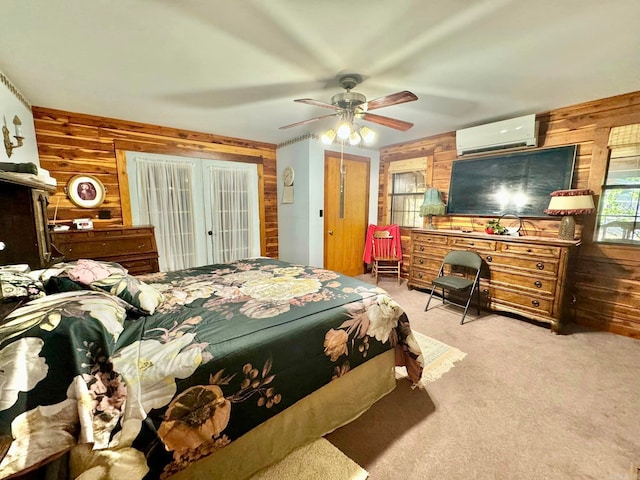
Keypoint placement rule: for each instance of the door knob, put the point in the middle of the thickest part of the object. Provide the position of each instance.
(330, 232)
(210, 233)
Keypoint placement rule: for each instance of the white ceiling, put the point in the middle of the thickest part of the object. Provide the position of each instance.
(233, 67)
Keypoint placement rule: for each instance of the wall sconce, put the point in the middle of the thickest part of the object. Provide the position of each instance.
(569, 203)
(8, 146)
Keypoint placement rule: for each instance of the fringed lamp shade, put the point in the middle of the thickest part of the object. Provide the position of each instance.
(432, 205)
(569, 203)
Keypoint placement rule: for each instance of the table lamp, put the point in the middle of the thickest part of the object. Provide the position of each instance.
(432, 205)
(569, 203)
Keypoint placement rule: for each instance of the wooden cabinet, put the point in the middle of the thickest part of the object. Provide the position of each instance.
(132, 247)
(527, 276)
(23, 222)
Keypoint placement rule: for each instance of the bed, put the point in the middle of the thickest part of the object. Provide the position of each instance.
(211, 372)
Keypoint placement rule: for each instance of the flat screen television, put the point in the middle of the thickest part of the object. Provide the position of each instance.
(516, 183)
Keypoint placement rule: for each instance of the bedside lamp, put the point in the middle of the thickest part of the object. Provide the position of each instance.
(569, 203)
(432, 205)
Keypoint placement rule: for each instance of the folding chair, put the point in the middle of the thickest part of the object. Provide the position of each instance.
(471, 263)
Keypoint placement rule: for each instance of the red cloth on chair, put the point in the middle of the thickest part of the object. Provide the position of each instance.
(394, 230)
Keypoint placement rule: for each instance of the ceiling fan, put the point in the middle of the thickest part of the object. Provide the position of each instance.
(351, 106)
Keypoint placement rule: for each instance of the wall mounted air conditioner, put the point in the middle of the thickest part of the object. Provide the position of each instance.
(512, 133)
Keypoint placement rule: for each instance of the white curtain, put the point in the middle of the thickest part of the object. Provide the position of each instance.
(232, 218)
(166, 201)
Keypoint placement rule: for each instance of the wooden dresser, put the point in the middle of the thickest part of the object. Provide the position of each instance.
(527, 276)
(132, 247)
(24, 236)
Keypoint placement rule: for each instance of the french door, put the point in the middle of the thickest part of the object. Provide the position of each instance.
(203, 211)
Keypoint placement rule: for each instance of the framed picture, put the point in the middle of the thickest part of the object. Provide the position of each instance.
(86, 191)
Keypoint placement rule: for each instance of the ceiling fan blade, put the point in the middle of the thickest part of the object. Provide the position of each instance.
(393, 99)
(317, 103)
(304, 122)
(387, 122)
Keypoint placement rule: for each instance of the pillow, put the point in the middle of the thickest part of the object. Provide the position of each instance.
(140, 295)
(19, 286)
(76, 275)
(85, 274)
(60, 284)
(68, 315)
(87, 271)
(76, 267)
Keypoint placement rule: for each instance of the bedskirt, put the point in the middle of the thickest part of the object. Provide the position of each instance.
(316, 415)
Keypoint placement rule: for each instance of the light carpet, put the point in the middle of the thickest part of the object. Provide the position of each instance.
(438, 358)
(319, 460)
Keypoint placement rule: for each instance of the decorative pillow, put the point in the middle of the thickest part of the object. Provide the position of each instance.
(140, 295)
(77, 267)
(87, 271)
(63, 284)
(69, 309)
(19, 286)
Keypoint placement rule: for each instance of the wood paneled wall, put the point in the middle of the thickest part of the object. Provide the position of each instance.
(73, 143)
(606, 285)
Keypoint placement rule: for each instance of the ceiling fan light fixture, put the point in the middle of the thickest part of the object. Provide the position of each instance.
(367, 135)
(344, 130)
(328, 137)
(354, 138)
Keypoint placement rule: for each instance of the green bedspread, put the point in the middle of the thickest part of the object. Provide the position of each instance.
(228, 347)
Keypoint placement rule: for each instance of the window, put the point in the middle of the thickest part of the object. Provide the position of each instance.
(407, 184)
(618, 218)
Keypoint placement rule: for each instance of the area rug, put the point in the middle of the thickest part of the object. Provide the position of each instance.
(319, 460)
(438, 357)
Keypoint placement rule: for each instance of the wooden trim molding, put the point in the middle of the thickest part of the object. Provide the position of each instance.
(182, 150)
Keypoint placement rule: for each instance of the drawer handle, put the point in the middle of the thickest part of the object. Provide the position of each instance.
(489, 258)
(485, 291)
(421, 261)
(419, 275)
(528, 250)
(538, 283)
(421, 248)
(540, 265)
(535, 303)
(472, 244)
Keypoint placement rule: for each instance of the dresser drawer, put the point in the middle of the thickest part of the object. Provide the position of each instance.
(119, 232)
(529, 249)
(427, 262)
(426, 241)
(423, 278)
(140, 266)
(539, 283)
(102, 247)
(132, 247)
(541, 265)
(536, 304)
(433, 251)
(458, 243)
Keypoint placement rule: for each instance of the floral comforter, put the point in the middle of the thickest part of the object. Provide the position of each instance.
(228, 347)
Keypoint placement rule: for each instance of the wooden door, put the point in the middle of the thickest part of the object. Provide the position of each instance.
(346, 207)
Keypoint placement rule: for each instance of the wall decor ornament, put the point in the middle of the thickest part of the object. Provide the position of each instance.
(85, 191)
